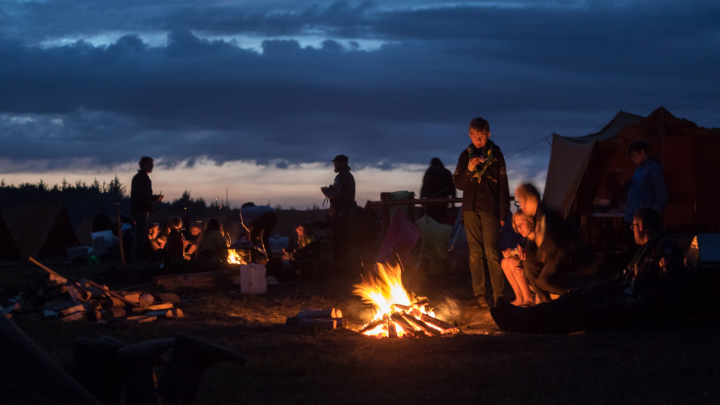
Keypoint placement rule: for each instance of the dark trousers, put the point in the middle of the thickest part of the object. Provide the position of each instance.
(261, 228)
(340, 238)
(141, 238)
(482, 231)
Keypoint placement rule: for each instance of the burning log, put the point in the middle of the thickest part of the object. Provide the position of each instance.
(391, 330)
(422, 326)
(374, 324)
(443, 326)
(400, 321)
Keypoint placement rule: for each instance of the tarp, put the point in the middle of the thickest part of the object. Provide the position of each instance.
(402, 234)
(435, 237)
(8, 249)
(84, 230)
(41, 230)
(569, 159)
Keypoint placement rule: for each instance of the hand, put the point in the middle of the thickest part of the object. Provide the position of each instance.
(522, 253)
(502, 223)
(518, 271)
(161, 197)
(474, 162)
(506, 253)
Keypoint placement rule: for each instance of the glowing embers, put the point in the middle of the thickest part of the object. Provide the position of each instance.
(397, 313)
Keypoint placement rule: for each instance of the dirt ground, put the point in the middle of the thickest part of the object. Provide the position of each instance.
(287, 365)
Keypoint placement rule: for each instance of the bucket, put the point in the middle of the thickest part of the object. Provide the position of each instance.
(252, 279)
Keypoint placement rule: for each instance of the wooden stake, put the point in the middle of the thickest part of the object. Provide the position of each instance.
(58, 278)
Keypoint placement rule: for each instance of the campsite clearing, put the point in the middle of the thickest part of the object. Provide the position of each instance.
(287, 364)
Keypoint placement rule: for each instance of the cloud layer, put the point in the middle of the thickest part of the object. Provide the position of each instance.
(530, 68)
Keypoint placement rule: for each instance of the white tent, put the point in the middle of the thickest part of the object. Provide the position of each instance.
(569, 159)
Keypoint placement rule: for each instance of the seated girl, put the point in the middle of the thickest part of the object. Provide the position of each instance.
(175, 246)
(515, 260)
(306, 245)
(213, 241)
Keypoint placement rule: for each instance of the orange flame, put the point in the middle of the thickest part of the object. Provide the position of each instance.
(234, 258)
(385, 292)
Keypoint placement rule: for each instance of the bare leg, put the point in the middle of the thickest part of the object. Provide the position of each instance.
(507, 265)
(523, 286)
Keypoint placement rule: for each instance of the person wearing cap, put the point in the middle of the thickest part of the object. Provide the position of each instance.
(482, 176)
(342, 205)
(142, 203)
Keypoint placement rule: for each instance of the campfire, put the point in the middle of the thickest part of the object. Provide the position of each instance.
(234, 257)
(397, 313)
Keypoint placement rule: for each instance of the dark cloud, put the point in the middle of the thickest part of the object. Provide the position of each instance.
(531, 69)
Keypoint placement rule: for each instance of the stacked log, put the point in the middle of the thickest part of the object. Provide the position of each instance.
(88, 300)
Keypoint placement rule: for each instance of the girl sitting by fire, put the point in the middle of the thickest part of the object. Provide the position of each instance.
(523, 257)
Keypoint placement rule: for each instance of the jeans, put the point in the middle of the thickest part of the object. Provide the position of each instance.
(261, 228)
(141, 238)
(482, 230)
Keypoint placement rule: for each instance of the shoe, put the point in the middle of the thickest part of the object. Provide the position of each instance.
(478, 301)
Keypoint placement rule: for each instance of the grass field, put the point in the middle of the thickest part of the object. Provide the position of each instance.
(287, 365)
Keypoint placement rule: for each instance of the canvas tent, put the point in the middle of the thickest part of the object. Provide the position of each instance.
(596, 166)
(8, 249)
(41, 230)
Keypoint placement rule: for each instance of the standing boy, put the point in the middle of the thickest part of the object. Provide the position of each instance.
(482, 176)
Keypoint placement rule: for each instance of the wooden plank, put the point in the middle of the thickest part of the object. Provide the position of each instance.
(58, 277)
(167, 305)
(72, 310)
(74, 317)
(113, 294)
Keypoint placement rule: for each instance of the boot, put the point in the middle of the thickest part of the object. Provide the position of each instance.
(190, 358)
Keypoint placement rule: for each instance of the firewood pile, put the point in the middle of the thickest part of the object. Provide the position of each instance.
(408, 321)
(85, 299)
(313, 318)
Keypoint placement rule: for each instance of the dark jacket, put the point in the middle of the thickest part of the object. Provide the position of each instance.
(647, 188)
(658, 281)
(560, 249)
(342, 192)
(141, 194)
(491, 195)
(437, 183)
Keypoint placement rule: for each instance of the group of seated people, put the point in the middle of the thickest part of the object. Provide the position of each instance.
(648, 289)
(167, 241)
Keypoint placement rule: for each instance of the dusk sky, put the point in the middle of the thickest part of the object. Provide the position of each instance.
(259, 96)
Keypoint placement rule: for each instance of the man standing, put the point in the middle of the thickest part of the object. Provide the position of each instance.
(342, 206)
(142, 203)
(482, 176)
(437, 183)
(647, 187)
